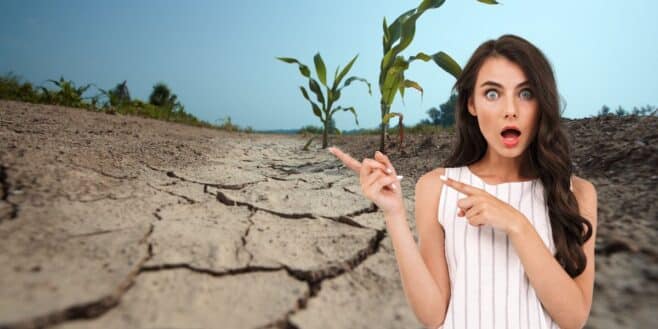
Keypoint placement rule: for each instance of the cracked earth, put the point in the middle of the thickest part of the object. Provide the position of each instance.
(124, 222)
(111, 221)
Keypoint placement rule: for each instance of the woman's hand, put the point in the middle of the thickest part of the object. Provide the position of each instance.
(480, 208)
(378, 178)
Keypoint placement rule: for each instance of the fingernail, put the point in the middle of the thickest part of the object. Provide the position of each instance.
(400, 177)
(393, 186)
(443, 178)
(389, 170)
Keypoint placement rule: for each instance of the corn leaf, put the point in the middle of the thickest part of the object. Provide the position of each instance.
(489, 2)
(395, 28)
(415, 85)
(448, 64)
(342, 73)
(316, 108)
(388, 117)
(422, 56)
(350, 109)
(354, 78)
(391, 85)
(303, 69)
(407, 33)
(315, 88)
(386, 39)
(320, 68)
(429, 4)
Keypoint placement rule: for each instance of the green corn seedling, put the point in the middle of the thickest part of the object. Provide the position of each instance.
(397, 37)
(324, 108)
(67, 95)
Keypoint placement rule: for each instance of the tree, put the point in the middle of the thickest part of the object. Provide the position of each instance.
(161, 96)
(435, 116)
(605, 110)
(620, 111)
(397, 37)
(445, 116)
(325, 110)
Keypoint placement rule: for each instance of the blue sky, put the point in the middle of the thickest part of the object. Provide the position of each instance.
(219, 56)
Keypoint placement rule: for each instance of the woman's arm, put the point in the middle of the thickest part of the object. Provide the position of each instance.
(424, 273)
(567, 300)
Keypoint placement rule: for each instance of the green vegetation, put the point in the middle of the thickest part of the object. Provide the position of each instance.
(620, 111)
(327, 100)
(315, 130)
(162, 105)
(445, 115)
(397, 37)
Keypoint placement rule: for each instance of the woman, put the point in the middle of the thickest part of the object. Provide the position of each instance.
(505, 231)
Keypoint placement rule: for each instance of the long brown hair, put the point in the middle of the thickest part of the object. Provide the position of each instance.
(549, 154)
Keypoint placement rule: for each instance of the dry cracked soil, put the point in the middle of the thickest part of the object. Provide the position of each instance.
(110, 221)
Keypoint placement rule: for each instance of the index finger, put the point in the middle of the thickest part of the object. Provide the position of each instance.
(350, 162)
(460, 186)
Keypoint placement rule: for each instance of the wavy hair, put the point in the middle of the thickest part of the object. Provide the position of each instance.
(547, 157)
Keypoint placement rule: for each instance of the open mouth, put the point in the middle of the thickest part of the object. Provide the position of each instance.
(510, 133)
(510, 136)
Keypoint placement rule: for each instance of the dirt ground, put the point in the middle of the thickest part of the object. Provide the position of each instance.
(110, 221)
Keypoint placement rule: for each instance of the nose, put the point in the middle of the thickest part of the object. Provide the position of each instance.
(510, 109)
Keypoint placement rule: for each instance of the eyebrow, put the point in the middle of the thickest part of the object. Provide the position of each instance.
(492, 83)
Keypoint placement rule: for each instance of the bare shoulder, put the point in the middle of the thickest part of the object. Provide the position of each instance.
(429, 180)
(428, 190)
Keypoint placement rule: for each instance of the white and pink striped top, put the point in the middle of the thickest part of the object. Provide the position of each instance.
(489, 288)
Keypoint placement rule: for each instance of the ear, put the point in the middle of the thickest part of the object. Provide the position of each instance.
(471, 106)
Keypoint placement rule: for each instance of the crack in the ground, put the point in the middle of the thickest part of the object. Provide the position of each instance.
(298, 169)
(221, 197)
(172, 174)
(286, 180)
(314, 279)
(100, 172)
(88, 310)
(343, 219)
(214, 273)
(347, 190)
(88, 234)
(110, 196)
(244, 240)
(5, 189)
(328, 185)
(184, 197)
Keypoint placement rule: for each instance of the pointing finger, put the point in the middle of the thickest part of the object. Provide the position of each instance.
(460, 186)
(349, 162)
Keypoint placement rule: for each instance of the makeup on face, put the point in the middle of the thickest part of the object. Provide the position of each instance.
(504, 103)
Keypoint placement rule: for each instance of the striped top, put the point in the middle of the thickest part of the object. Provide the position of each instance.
(489, 287)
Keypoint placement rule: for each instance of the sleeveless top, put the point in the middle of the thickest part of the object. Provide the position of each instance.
(489, 287)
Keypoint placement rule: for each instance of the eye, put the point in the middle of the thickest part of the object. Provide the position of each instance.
(491, 94)
(526, 94)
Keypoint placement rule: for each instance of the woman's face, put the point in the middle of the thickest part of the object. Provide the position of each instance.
(502, 97)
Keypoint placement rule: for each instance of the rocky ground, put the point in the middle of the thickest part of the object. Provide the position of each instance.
(111, 221)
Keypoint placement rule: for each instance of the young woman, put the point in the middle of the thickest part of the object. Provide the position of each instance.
(505, 231)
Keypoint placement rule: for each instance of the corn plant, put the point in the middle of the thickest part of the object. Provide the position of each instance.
(118, 96)
(325, 110)
(397, 37)
(67, 95)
